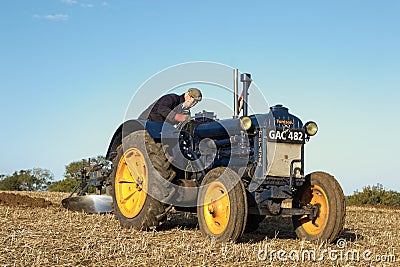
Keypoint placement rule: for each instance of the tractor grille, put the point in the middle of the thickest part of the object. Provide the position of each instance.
(279, 157)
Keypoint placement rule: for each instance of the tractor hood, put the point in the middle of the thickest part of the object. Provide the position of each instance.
(218, 129)
(277, 117)
(282, 118)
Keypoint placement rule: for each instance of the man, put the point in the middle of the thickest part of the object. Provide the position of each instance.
(172, 108)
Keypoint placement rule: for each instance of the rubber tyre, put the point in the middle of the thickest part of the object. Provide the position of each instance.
(323, 189)
(233, 202)
(152, 211)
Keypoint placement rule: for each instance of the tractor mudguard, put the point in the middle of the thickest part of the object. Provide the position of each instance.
(153, 128)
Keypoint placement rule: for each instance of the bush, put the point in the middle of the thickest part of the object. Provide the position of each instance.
(35, 179)
(374, 195)
(66, 185)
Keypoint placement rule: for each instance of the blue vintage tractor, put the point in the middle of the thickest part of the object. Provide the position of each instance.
(231, 172)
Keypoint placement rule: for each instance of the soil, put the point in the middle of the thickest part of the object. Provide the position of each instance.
(11, 199)
(54, 236)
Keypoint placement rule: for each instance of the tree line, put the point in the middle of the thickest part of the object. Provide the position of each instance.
(38, 179)
(35, 179)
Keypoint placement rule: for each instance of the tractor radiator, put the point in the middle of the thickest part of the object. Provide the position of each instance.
(279, 157)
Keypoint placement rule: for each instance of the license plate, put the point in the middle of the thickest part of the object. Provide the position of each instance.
(285, 135)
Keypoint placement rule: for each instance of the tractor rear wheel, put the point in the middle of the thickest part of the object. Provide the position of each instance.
(321, 190)
(222, 205)
(138, 161)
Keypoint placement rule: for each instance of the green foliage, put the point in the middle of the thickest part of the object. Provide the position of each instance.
(66, 185)
(374, 195)
(9, 183)
(35, 179)
(72, 175)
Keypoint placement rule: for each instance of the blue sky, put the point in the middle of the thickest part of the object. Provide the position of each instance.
(69, 69)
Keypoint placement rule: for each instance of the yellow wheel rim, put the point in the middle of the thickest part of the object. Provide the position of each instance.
(317, 196)
(216, 208)
(131, 182)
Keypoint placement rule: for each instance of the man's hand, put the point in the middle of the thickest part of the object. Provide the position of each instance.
(180, 117)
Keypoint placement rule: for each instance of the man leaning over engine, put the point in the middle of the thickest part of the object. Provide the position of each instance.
(172, 108)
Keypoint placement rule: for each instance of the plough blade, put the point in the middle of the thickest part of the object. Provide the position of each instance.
(89, 203)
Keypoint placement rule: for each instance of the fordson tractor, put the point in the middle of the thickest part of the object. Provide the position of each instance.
(232, 172)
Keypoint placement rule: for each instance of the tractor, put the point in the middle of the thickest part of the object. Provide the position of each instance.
(231, 172)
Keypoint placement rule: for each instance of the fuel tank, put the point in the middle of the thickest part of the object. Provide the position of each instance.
(221, 129)
(278, 116)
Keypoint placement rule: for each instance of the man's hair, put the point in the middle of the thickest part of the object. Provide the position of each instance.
(195, 93)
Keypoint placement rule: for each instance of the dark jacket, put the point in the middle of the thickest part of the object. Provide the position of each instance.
(164, 109)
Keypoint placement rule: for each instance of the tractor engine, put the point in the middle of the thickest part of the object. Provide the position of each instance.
(266, 150)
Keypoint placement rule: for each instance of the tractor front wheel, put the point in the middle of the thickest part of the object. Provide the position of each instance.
(222, 205)
(324, 193)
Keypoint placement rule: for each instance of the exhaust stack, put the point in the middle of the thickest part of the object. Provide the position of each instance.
(235, 93)
(245, 78)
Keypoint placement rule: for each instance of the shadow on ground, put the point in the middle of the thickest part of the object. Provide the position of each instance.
(349, 235)
(272, 227)
(181, 220)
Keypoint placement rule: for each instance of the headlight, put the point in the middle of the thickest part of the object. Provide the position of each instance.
(311, 128)
(245, 123)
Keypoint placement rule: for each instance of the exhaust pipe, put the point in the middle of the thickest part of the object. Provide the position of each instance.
(235, 93)
(245, 78)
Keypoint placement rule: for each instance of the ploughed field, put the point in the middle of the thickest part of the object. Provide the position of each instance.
(37, 231)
